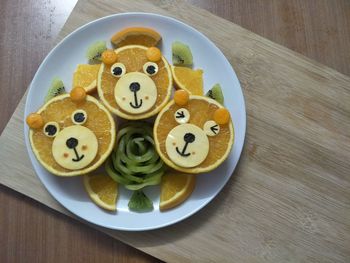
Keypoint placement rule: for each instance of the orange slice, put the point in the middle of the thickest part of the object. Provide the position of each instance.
(136, 36)
(133, 58)
(188, 79)
(60, 110)
(85, 76)
(175, 188)
(200, 111)
(102, 190)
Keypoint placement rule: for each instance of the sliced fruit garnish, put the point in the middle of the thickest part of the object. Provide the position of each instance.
(56, 88)
(102, 190)
(95, 50)
(216, 93)
(139, 202)
(85, 76)
(134, 162)
(136, 36)
(175, 188)
(188, 79)
(182, 55)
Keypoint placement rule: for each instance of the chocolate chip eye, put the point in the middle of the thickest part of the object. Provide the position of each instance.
(150, 68)
(79, 117)
(118, 69)
(51, 129)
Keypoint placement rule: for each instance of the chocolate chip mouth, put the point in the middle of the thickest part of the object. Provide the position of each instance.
(188, 138)
(135, 87)
(72, 143)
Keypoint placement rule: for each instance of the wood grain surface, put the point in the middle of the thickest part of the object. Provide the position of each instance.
(31, 232)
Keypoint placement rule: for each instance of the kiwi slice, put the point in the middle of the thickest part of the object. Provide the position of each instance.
(139, 202)
(182, 55)
(216, 93)
(94, 51)
(56, 88)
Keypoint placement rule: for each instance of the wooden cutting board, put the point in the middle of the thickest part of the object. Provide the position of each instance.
(289, 198)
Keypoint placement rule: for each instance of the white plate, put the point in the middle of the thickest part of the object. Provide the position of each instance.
(63, 59)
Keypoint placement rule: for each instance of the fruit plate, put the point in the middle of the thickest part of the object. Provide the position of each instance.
(63, 59)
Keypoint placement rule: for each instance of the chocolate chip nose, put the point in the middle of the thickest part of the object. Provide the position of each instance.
(134, 86)
(72, 143)
(189, 137)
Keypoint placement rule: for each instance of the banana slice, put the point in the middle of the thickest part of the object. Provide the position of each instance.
(211, 128)
(182, 116)
(187, 145)
(135, 92)
(75, 147)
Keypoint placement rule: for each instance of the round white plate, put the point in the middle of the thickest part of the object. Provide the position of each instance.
(61, 62)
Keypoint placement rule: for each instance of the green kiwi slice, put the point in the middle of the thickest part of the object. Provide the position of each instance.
(56, 88)
(94, 51)
(139, 202)
(182, 55)
(216, 93)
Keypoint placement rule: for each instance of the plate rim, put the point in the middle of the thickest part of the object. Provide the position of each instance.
(177, 219)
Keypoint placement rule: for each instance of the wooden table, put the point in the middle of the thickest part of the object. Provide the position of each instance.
(30, 232)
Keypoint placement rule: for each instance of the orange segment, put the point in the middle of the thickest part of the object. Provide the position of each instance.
(188, 79)
(85, 76)
(59, 110)
(201, 110)
(102, 190)
(136, 36)
(175, 188)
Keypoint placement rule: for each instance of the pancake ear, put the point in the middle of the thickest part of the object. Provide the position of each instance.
(35, 121)
(78, 94)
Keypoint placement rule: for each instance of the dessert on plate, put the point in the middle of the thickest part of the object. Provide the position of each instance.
(137, 85)
(193, 134)
(74, 133)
